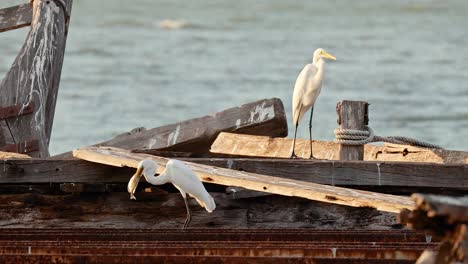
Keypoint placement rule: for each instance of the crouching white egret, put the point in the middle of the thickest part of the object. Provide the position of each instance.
(181, 176)
(306, 91)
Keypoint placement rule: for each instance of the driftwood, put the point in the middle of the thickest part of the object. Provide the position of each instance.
(34, 77)
(260, 146)
(264, 117)
(444, 217)
(256, 182)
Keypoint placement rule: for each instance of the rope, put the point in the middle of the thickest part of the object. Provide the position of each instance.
(360, 137)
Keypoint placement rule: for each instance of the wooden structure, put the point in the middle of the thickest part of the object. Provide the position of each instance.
(230, 144)
(352, 115)
(263, 117)
(29, 89)
(252, 181)
(446, 218)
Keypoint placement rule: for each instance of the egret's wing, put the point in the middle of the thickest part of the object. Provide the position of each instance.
(303, 80)
(187, 181)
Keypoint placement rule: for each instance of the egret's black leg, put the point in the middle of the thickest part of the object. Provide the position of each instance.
(293, 155)
(310, 132)
(189, 214)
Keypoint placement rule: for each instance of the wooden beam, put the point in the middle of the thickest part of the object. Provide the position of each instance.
(263, 117)
(15, 17)
(267, 147)
(406, 177)
(352, 115)
(35, 74)
(256, 182)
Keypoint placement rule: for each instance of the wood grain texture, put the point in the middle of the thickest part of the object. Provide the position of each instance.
(256, 182)
(353, 115)
(404, 177)
(268, 147)
(35, 75)
(263, 117)
(15, 17)
(159, 210)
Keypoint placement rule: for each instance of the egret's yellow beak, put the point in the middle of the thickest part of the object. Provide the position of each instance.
(328, 55)
(133, 183)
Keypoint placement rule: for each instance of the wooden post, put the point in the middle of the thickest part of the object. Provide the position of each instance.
(34, 77)
(352, 115)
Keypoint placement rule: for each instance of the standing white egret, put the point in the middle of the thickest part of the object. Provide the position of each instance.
(306, 91)
(181, 176)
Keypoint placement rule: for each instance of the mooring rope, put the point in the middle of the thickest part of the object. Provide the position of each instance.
(361, 137)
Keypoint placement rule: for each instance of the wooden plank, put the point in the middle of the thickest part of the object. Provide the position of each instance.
(352, 115)
(267, 147)
(263, 117)
(455, 209)
(35, 75)
(157, 210)
(256, 182)
(15, 17)
(401, 177)
(12, 155)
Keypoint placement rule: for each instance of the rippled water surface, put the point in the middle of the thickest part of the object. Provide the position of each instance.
(126, 67)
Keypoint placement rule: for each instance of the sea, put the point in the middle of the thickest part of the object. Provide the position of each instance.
(148, 63)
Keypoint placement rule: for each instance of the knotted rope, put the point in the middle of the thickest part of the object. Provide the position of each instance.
(361, 137)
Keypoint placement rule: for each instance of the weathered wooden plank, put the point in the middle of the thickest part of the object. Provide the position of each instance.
(256, 182)
(455, 209)
(263, 117)
(35, 75)
(158, 210)
(352, 115)
(12, 155)
(15, 17)
(267, 147)
(366, 175)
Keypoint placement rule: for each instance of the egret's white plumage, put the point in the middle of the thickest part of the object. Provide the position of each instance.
(180, 175)
(307, 89)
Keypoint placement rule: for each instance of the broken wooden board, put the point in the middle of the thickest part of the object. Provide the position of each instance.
(256, 182)
(261, 146)
(402, 177)
(264, 117)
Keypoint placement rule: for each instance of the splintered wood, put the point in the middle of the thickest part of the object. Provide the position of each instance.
(256, 182)
(264, 117)
(262, 146)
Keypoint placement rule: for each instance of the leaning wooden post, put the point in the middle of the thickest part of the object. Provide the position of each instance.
(29, 89)
(352, 115)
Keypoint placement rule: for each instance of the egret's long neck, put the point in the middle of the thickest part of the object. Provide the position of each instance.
(319, 63)
(156, 180)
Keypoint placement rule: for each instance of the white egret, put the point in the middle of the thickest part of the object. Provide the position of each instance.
(306, 91)
(181, 176)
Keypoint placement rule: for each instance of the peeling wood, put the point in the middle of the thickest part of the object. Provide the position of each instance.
(256, 182)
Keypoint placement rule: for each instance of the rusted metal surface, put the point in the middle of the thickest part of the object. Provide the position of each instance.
(210, 245)
(22, 147)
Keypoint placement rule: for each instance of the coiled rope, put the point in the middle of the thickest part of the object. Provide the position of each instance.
(361, 137)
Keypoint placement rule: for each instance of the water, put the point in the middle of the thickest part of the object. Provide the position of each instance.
(408, 59)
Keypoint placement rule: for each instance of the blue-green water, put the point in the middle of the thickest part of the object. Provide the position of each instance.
(408, 59)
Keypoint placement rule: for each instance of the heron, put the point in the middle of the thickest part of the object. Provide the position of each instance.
(181, 176)
(306, 91)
